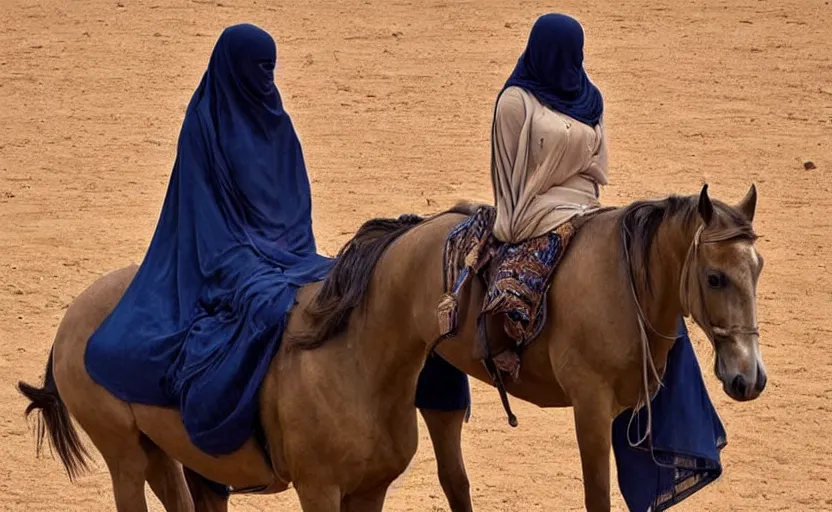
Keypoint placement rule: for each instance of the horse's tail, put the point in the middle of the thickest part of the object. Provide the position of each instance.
(54, 419)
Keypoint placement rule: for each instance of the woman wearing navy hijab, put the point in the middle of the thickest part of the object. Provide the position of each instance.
(548, 148)
(202, 320)
(549, 160)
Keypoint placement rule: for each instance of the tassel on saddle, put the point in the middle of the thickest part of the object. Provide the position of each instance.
(469, 249)
(448, 315)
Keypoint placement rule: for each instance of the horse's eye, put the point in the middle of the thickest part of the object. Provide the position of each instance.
(717, 280)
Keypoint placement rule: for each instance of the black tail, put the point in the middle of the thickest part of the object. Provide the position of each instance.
(54, 419)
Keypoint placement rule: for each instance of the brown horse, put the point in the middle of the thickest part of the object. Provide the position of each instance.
(339, 420)
(679, 256)
(687, 257)
(101, 298)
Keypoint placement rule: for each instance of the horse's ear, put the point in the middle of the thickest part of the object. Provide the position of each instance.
(706, 207)
(748, 205)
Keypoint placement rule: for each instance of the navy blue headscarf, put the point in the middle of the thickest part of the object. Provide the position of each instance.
(202, 320)
(552, 69)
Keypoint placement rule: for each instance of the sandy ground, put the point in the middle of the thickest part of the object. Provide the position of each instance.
(392, 101)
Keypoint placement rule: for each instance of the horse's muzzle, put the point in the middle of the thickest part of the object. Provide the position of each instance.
(739, 388)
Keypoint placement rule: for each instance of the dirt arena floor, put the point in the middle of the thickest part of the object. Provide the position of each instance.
(393, 101)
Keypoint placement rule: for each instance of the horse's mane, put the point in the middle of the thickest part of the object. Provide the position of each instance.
(346, 284)
(641, 220)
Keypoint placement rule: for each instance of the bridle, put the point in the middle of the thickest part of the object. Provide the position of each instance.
(701, 316)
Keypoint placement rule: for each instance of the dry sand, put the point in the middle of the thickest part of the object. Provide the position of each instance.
(392, 101)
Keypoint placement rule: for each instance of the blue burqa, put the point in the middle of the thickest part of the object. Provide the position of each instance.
(202, 320)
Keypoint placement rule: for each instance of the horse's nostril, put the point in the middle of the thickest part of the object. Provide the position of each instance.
(738, 386)
(762, 379)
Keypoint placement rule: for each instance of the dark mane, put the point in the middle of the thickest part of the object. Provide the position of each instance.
(641, 220)
(346, 284)
(466, 208)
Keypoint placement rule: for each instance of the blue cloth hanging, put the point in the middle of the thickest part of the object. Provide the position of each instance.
(687, 438)
(441, 386)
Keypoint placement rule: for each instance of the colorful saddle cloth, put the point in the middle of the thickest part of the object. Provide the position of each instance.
(517, 278)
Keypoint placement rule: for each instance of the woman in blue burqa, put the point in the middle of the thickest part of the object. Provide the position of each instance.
(202, 320)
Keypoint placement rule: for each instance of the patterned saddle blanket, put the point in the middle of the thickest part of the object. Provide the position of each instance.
(517, 278)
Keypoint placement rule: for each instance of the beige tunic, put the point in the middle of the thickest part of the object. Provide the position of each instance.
(546, 168)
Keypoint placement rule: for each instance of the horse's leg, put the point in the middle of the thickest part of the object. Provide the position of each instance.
(110, 425)
(593, 426)
(370, 501)
(445, 428)
(206, 499)
(132, 458)
(166, 479)
(128, 465)
(319, 499)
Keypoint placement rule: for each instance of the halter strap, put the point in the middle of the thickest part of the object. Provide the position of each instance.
(688, 275)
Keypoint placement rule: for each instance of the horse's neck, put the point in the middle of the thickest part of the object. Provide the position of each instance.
(662, 305)
(385, 345)
(399, 319)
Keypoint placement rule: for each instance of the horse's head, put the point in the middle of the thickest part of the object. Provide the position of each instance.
(719, 288)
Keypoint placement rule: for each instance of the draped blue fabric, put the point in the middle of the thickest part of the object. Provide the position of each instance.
(441, 386)
(203, 318)
(552, 69)
(687, 438)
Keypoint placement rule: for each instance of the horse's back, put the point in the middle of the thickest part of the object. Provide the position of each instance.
(82, 318)
(108, 420)
(592, 260)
